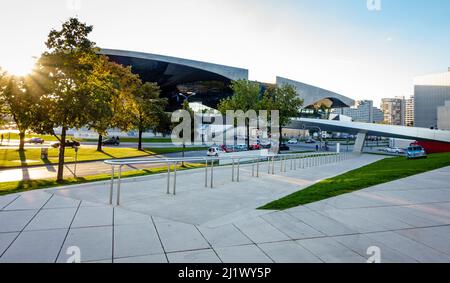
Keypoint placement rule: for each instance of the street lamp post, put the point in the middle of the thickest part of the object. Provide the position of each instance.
(186, 97)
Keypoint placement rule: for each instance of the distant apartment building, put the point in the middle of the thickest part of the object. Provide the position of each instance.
(363, 111)
(409, 112)
(430, 94)
(394, 110)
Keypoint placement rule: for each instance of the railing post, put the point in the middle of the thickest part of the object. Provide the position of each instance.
(168, 178)
(257, 168)
(118, 184)
(232, 170)
(212, 173)
(175, 178)
(273, 165)
(206, 173)
(111, 189)
(238, 167)
(268, 165)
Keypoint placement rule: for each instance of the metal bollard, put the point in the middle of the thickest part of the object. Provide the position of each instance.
(268, 165)
(111, 189)
(118, 184)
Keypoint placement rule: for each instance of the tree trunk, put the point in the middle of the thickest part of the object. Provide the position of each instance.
(62, 148)
(99, 144)
(22, 141)
(140, 140)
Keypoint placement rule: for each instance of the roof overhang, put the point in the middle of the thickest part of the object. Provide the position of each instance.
(419, 134)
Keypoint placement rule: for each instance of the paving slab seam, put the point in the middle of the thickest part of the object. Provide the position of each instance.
(235, 226)
(159, 238)
(10, 202)
(393, 205)
(68, 231)
(23, 229)
(196, 227)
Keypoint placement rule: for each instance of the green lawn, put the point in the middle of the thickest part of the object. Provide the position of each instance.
(22, 186)
(32, 156)
(383, 171)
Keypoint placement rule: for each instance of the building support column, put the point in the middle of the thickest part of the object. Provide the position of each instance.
(359, 143)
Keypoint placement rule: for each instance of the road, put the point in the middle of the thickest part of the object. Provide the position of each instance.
(83, 169)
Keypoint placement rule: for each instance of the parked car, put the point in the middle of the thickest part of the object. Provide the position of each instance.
(266, 144)
(69, 143)
(241, 147)
(255, 146)
(284, 147)
(111, 141)
(35, 141)
(310, 141)
(395, 150)
(226, 149)
(214, 151)
(416, 152)
(293, 141)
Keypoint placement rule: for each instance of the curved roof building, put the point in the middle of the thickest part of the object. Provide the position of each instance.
(210, 82)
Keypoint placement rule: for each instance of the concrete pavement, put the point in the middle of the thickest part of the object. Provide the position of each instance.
(407, 220)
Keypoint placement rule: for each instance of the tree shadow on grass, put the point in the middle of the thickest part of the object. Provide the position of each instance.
(23, 162)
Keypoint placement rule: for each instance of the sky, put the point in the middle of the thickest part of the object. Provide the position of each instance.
(348, 46)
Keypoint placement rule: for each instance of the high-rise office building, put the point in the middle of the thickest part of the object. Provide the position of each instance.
(394, 110)
(430, 93)
(363, 111)
(409, 112)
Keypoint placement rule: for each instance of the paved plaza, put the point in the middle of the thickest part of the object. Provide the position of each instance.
(408, 220)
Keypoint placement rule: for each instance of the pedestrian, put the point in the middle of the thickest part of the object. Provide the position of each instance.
(1, 140)
(317, 147)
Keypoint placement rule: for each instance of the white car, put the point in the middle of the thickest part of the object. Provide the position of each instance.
(394, 150)
(293, 141)
(214, 151)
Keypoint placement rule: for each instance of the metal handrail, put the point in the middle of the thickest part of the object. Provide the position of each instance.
(305, 160)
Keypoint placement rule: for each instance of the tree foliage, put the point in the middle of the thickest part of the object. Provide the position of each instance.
(17, 100)
(149, 108)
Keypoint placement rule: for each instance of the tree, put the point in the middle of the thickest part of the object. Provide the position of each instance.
(246, 97)
(284, 99)
(113, 86)
(17, 100)
(164, 125)
(149, 105)
(67, 77)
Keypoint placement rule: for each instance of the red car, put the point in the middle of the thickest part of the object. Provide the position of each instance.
(255, 147)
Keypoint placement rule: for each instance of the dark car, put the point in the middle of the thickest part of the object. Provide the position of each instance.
(35, 141)
(112, 141)
(284, 147)
(69, 143)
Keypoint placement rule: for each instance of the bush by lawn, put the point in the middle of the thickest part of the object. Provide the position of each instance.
(383, 171)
